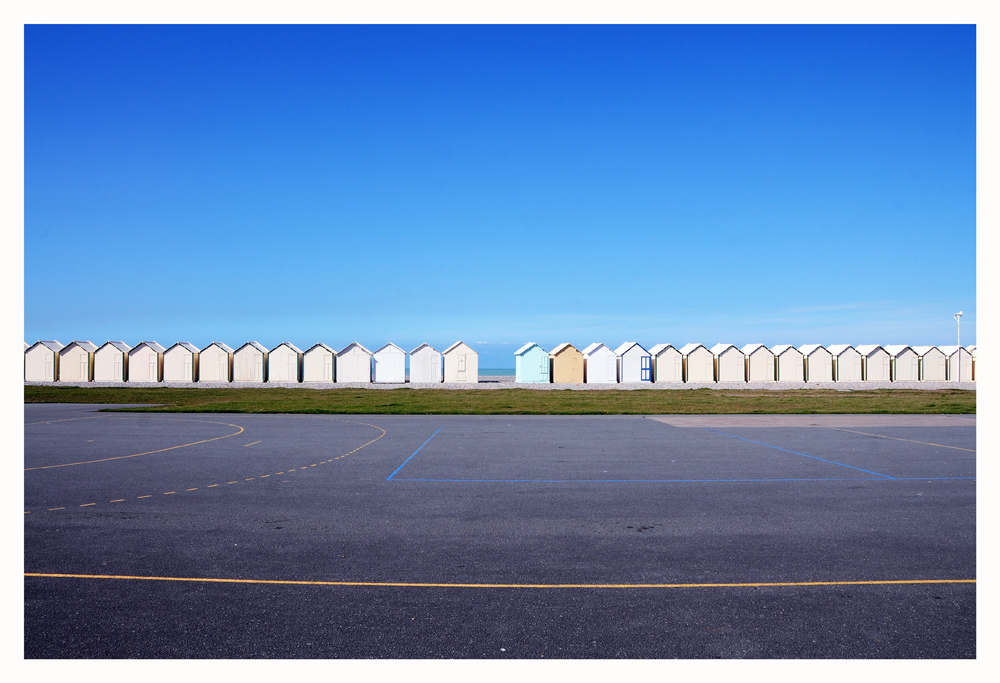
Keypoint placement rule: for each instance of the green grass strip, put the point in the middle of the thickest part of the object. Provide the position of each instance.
(406, 401)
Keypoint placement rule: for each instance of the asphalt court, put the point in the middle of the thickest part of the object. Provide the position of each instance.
(493, 536)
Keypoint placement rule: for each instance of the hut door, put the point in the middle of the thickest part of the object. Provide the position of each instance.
(461, 368)
(328, 368)
(48, 369)
(885, 368)
(152, 368)
(857, 368)
(543, 366)
(116, 372)
(644, 369)
(187, 368)
(291, 369)
(914, 374)
(83, 367)
(362, 361)
(223, 370)
(677, 368)
(257, 368)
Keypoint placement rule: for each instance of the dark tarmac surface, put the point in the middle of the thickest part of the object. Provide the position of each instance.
(651, 513)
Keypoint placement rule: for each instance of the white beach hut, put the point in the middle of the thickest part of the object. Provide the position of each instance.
(789, 363)
(180, 363)
(933, 364)
(425, 365)
(846, 363)
(760, 363)
(354, 364)
(41, 361)
(699, 363)
(461, 364)
(390, 365)
(250, 363)
(145, 362)
(668, 364)
(283, 362)
(818, 363)
(600, 364)
(111, 362)
(318, 363)
(635, 364)
(874, 363)
(76, 362)
(972, 352)
(959, 363)
(215, 363)
(904, 363)
(730, 364)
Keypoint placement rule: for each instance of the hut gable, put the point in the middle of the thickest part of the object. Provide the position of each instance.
(600, 364)
(566, 364)
(904, 363)
(76, 362)
(461, 363)
(41, 361)
(111, 362)
(760, 365)
(789, 363)
(250, 363)
(874, 363)
(635, 364)
(283, 363)
(145, 362)
(180, 363)
(698, 363)
(354, 364)
(668, 363)
(730, 364)
(425, 365)
(318, 363)
(818, 363)
(531, 364)
(390, 365)
(215, 363)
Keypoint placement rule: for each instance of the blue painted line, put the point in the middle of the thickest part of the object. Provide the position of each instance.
(878, 474)
(414, 453)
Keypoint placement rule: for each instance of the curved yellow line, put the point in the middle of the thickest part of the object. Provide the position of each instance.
(162, 450)
(896, 438)
(401, 584)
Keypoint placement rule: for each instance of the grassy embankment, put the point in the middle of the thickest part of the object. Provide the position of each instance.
(405, 401)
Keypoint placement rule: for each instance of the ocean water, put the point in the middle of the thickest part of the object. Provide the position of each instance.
(496, 372)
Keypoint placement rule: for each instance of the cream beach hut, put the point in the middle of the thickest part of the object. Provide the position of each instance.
(425, 365)
(531, 364)
(250, 363)
(461, 364)
(180, 363)
(818, 363)
(41, 361)
(699, 363)
(318, 363)
(933, 364)
(874, 363)
(390, 365)
(904, 363)
(789, 363)
(846, 363)
(730, 365)
(215, 363)
(283, 363)
(668, 364)
(566, 363)
(972, 352)
(600, 365)
(959, 365)
(111, 362)
(354, 364)
(145, 362)
(76, 362)
(759, 363)
(635, 364)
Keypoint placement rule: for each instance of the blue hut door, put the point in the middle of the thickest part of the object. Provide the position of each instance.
(543, 367)
(644, 369)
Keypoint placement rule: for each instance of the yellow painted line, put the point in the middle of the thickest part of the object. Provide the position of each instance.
(249, 479)
(211, 486)
(50, 509)
(87, 504)
(264, 476)
(404, 584)
(169, 492)
(232, 482)
(117, 500)
(279, 472)
(136, 455)
(194, 489)
(150, 496)
(880, 436)
(27, 512)
(250, 444)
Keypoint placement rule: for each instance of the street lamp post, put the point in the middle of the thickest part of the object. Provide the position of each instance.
(958, 319)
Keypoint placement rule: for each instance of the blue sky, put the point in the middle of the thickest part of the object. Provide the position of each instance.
(500, 184)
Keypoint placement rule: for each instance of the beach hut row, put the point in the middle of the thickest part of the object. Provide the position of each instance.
(630, 362)
(148, 361)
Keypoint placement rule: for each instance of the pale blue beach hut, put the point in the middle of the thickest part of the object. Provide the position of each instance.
(531, 364)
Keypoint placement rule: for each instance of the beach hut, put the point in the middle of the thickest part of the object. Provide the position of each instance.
(600, 364)
(250, 363)
(180, 363)
(76, 362)
(668, 364)
(635, 364)
(760, 363)
(41, 361)
(699, 363)
(145, 362)
(846, 363)
(531, 364)
(215, 363)
(972, 352)
(111, 362)
(933, 364)
(390, 365)
(425, 365)
(354, 364)
(904, 363)
(566, 364)
(959, 363)
(284, 362)
(818, 363)
(318, 363)
(789, 363)
(730, 365)
(874, 363)
(461, 363)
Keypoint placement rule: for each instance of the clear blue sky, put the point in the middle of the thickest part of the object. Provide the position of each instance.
(499, 185)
